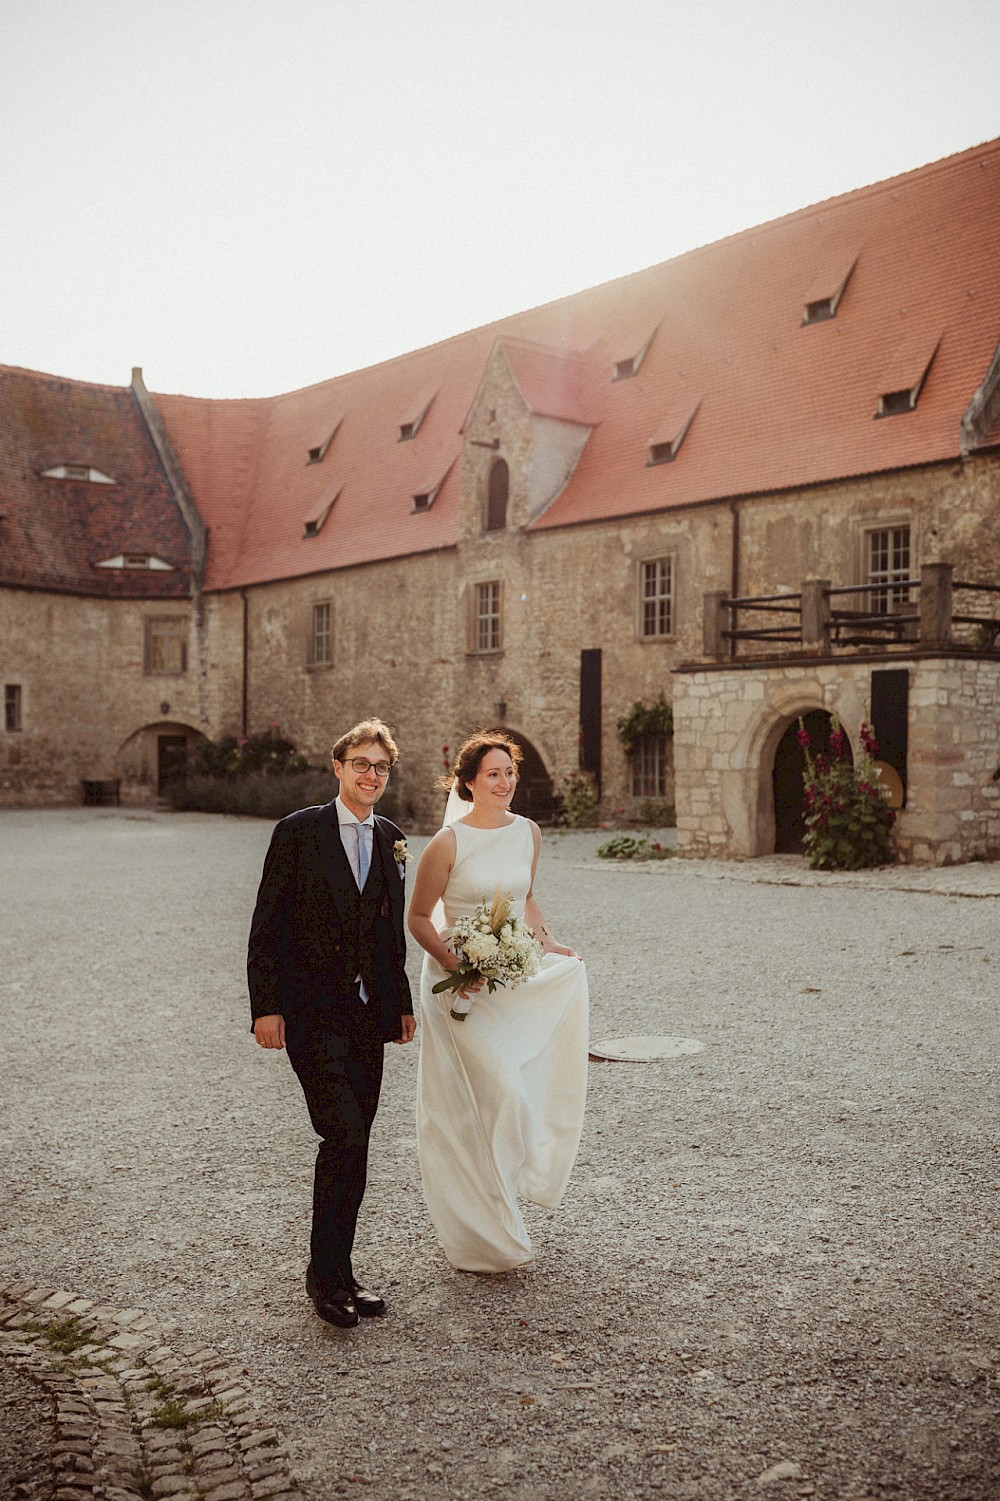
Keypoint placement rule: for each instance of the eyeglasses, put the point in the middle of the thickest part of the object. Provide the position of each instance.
(380, 768)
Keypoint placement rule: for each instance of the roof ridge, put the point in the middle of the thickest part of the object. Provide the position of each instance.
(72, 380)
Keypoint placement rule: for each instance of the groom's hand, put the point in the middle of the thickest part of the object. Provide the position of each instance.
(270, 1031)
(409, 1029)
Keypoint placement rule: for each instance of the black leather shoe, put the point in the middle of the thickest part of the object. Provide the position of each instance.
(335, 1306)
(369, 1305)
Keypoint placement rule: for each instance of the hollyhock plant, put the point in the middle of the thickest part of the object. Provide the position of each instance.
(848, 821)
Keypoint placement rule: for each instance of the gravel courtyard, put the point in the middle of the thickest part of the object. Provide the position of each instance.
(774, 1271)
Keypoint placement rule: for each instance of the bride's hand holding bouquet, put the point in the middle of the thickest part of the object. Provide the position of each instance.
(493, 948)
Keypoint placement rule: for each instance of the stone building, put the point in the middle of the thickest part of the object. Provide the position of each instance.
(520, 526)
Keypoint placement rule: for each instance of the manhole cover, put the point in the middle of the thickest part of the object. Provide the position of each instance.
(644, 1049)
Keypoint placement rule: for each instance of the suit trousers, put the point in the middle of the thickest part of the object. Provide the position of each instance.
(338, 1060)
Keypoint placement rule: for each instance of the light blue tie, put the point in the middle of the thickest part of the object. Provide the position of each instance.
(363, 831)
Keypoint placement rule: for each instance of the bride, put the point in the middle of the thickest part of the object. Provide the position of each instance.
(500, 1094)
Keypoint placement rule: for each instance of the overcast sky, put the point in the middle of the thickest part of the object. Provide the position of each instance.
(247, 196)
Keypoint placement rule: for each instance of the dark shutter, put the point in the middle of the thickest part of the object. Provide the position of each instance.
(590, 713)
(890, 706)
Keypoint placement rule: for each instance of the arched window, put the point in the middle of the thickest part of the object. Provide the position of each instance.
(496, 501)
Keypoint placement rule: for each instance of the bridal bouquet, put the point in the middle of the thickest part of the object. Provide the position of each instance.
(491, 945)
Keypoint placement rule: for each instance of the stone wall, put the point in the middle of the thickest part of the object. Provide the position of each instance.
(729, 719)
(89, 710)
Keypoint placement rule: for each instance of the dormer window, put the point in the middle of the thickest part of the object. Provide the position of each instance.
(631, 354)
(900, 387)
(664, 448)
(318, 452)
(313, 524)
(820, 311)
(412, 425)
(428, 494)
(823, 297)
(138, 560)
(79, 472)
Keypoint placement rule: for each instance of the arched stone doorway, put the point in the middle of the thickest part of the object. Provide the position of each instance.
(535, 796)
(153, 756)
(786, 778)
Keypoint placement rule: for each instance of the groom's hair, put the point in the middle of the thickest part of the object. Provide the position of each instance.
(472, 752)
(362, 734)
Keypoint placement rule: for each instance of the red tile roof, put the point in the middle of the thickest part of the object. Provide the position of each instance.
(779, 404)
(54, 532)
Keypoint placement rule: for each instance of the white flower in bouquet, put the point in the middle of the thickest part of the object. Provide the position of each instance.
(491, 945)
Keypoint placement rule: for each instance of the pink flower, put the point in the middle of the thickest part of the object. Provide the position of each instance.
(803, 737)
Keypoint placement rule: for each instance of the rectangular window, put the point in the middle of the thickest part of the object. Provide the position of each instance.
(649, 766)
(12, 706)
(888, 567)
(486, 631)
(657, 598)
(321, 636)
(166, 649)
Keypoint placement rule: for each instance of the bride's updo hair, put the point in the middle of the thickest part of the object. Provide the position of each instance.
(471, 754)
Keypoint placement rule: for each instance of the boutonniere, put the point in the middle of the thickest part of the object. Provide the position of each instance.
(401, 854)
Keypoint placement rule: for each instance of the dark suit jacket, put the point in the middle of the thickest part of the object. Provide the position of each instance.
(312, 930)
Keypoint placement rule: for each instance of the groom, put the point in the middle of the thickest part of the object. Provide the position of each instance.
(325, 967)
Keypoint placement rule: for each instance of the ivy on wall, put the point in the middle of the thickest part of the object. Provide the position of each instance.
(645, 719)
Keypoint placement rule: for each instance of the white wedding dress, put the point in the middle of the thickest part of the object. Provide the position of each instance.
(500, 1095)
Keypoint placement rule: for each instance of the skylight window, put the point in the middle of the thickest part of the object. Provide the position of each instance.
(80, 472)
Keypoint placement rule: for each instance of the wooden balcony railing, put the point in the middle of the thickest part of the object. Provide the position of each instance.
(822, 619)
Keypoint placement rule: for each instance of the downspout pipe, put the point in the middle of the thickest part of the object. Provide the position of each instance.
(734, 568)
(245, 703)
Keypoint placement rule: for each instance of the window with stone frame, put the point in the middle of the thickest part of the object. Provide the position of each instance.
(888, 563)
(486, 633)
(166, 645)
(321, 635)
(12, 706)
(497, 496)
(649, 764)
(656, 598)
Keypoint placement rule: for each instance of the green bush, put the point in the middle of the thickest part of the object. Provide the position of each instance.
(633, 847)
(270, 753)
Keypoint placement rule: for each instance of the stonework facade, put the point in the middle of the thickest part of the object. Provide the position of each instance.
(729, 720)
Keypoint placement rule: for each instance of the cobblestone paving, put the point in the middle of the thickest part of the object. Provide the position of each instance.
(134, 1416)
(775, 1264)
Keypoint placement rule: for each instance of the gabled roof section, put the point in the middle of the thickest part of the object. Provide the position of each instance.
(55, 534)
(553, 382)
